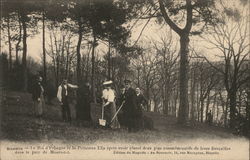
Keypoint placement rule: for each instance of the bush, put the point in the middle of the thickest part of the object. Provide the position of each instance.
(15, 81)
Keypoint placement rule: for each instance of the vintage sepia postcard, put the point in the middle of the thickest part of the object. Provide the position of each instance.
(124, 80)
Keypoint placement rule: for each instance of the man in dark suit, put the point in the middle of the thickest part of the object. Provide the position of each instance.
(62, 95)
(83, 108)
(130, 107)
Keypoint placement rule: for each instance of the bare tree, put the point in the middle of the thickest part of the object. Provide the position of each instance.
(233, 43)
(43, 47)
(207, 80)
(19, 39)
(9, 41)
(60, 42)
(167, 68)
(148, 61)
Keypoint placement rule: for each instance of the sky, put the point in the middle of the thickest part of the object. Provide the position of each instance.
(152, 31)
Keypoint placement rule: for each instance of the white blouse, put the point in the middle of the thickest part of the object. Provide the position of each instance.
(109, 95)
(59, 91)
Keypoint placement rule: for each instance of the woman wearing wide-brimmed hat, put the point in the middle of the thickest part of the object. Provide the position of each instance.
(38, 97)
(108, 96)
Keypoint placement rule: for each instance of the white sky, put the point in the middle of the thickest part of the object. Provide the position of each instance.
(151, 32)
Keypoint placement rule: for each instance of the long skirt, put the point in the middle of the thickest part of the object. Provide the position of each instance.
(109, 114)
(115, 123)
(39, 106)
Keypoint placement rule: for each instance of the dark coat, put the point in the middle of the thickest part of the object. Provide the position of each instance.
(83, 103)
(36, 91)
(141, 101)
(130, 105)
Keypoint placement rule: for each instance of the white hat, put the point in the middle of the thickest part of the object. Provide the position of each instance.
(107, 82)
(40, 79)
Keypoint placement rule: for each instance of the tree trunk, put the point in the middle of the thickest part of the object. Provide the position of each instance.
(198, 102)
(148, 96)
(239, 102)
(155, 105)
(93, 70)
(192, 92)
(19, 39)
(248, 109)
(184, 43)
(207, 105)
(175, 101)
(61, 58)
(57, 61)
(166, 102)
(78, 53)
(67, 61)
(87, 67)
(9, 41)
(138, 77)
(57, 69)
(24, 61)
(163, 93)
(112, 69)
(226, 113)
(232, 107)
(214, 104)
(183, 108)
(202, 109)
(44, 53)
(217, 111)
(109, 61)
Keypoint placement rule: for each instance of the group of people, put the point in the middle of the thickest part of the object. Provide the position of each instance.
(132, 111)
(130, 102)
(62, 96)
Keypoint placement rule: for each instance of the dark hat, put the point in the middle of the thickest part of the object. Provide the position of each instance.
(127, 81)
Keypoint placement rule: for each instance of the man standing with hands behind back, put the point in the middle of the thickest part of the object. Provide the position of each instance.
(62, 95)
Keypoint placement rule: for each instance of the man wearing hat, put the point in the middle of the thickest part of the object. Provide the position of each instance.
(130, 107)
(62, 95)
(108, 96)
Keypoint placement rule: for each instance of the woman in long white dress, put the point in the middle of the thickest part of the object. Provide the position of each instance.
(109, 105)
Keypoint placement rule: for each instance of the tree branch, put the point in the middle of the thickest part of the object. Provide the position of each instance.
(189, 21)
(168, 20)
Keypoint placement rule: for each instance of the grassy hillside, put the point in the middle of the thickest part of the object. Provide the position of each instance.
(19, 124)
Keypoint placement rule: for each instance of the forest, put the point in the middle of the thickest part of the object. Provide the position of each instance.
(94, 40)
